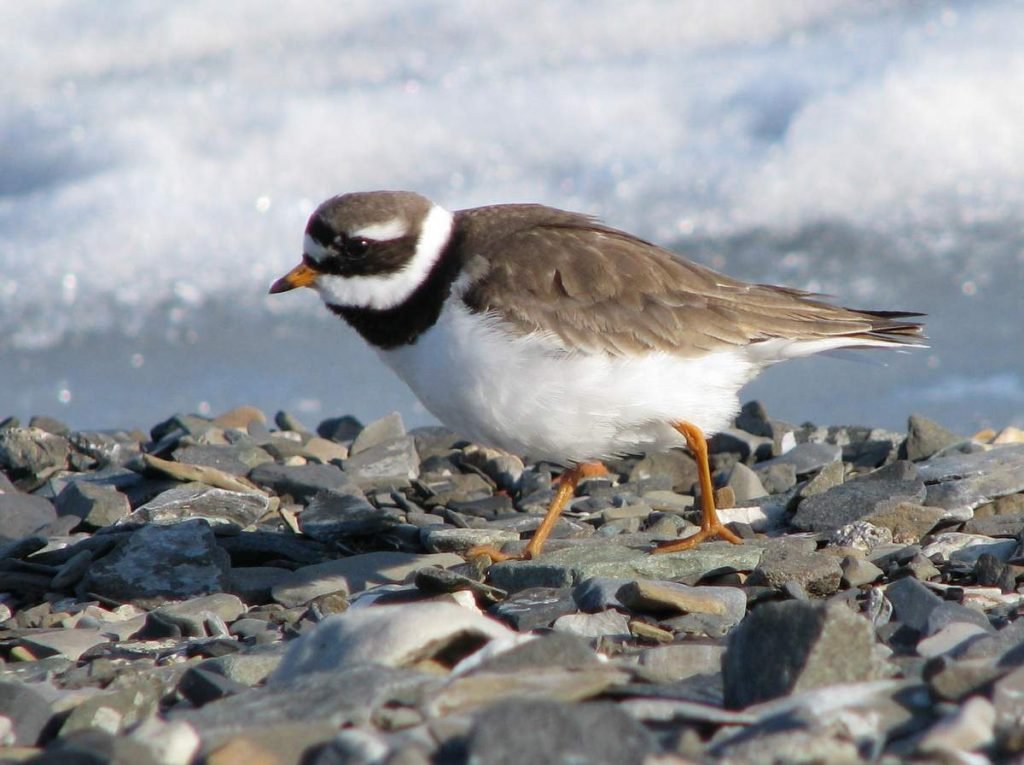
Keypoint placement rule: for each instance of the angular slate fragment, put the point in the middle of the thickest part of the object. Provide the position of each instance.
(331, 515)
(552, 731)
(159, 562)
(859, 498)
(792, 646)
(301, 482)
(968, 480)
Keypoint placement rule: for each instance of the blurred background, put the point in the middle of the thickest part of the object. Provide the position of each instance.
(158, 162)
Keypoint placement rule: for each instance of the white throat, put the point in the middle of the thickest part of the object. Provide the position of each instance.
(389, 290)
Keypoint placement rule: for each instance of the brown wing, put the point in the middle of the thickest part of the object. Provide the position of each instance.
(600, 289)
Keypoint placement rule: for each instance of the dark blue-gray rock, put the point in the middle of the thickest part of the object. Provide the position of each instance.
(584, 734)
(237, 459)
(989, 571)
(598, 593)
(313, 697)
(535, 607)
(254, 548)
(857, 571)
(434, 580)
(301, 482)
(805, 458)
(340, 429)
(926, 438)
(912, 603)
(31, 452)
(947, 613)
(392, 463)
(22, 515)
(792, 646)
(858, 498)
(201, 686)
(219, 507)
(746, 446)
(157, 563)
(355, 573)
(97, 505)
(255, 584)
(1011, 525)
(555, 650)
(965, 481)
(820, 574)
(28, 712)
(331, 515)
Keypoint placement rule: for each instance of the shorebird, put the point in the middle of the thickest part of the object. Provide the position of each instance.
(545, 332)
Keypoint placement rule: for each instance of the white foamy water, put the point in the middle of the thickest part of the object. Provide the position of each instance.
(159, 162)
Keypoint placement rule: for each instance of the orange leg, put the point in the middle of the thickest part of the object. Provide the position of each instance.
(567, 484)
(710, 525)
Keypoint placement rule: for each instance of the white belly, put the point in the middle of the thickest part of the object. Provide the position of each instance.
(528, 395)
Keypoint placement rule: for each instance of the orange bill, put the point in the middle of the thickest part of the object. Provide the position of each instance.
(300, 276)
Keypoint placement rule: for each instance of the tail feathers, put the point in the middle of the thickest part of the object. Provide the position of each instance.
(892, 328)
(886, 329)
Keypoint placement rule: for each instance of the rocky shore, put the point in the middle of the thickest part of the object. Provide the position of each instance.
(238, 590)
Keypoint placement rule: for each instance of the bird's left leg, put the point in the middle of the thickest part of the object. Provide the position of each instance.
(710, 524)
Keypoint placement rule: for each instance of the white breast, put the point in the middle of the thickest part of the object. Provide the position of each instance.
(529, 395)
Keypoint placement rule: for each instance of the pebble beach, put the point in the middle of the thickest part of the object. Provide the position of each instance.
(245, 588)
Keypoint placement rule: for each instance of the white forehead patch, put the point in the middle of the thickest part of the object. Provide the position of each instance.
(395, 228)
(314, 249)
(390, 290)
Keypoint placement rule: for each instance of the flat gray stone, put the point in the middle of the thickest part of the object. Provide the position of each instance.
(23, 515)
(62, 642)
(391, 635)
(97, 505)
(301, 482)
(383, 430)
(792, 646)
(155, 563)
(673, 598)
(332, 515)
(448, 539)
(587, 734)
(907, 521)
(28, 711)
(820, 574)
(672, 663)
(604, 624)
(311, 697)
(858, 572)
(858, 498)
(805, 458)
(192, 615)
(355, 574)
(391, 464)
(968, 480)
(219, 507)
(571, 565)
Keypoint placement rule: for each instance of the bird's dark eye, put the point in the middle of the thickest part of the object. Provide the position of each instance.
(357, 247)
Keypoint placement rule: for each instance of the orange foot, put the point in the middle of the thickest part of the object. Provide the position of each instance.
(710, 524)
(567, 484)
